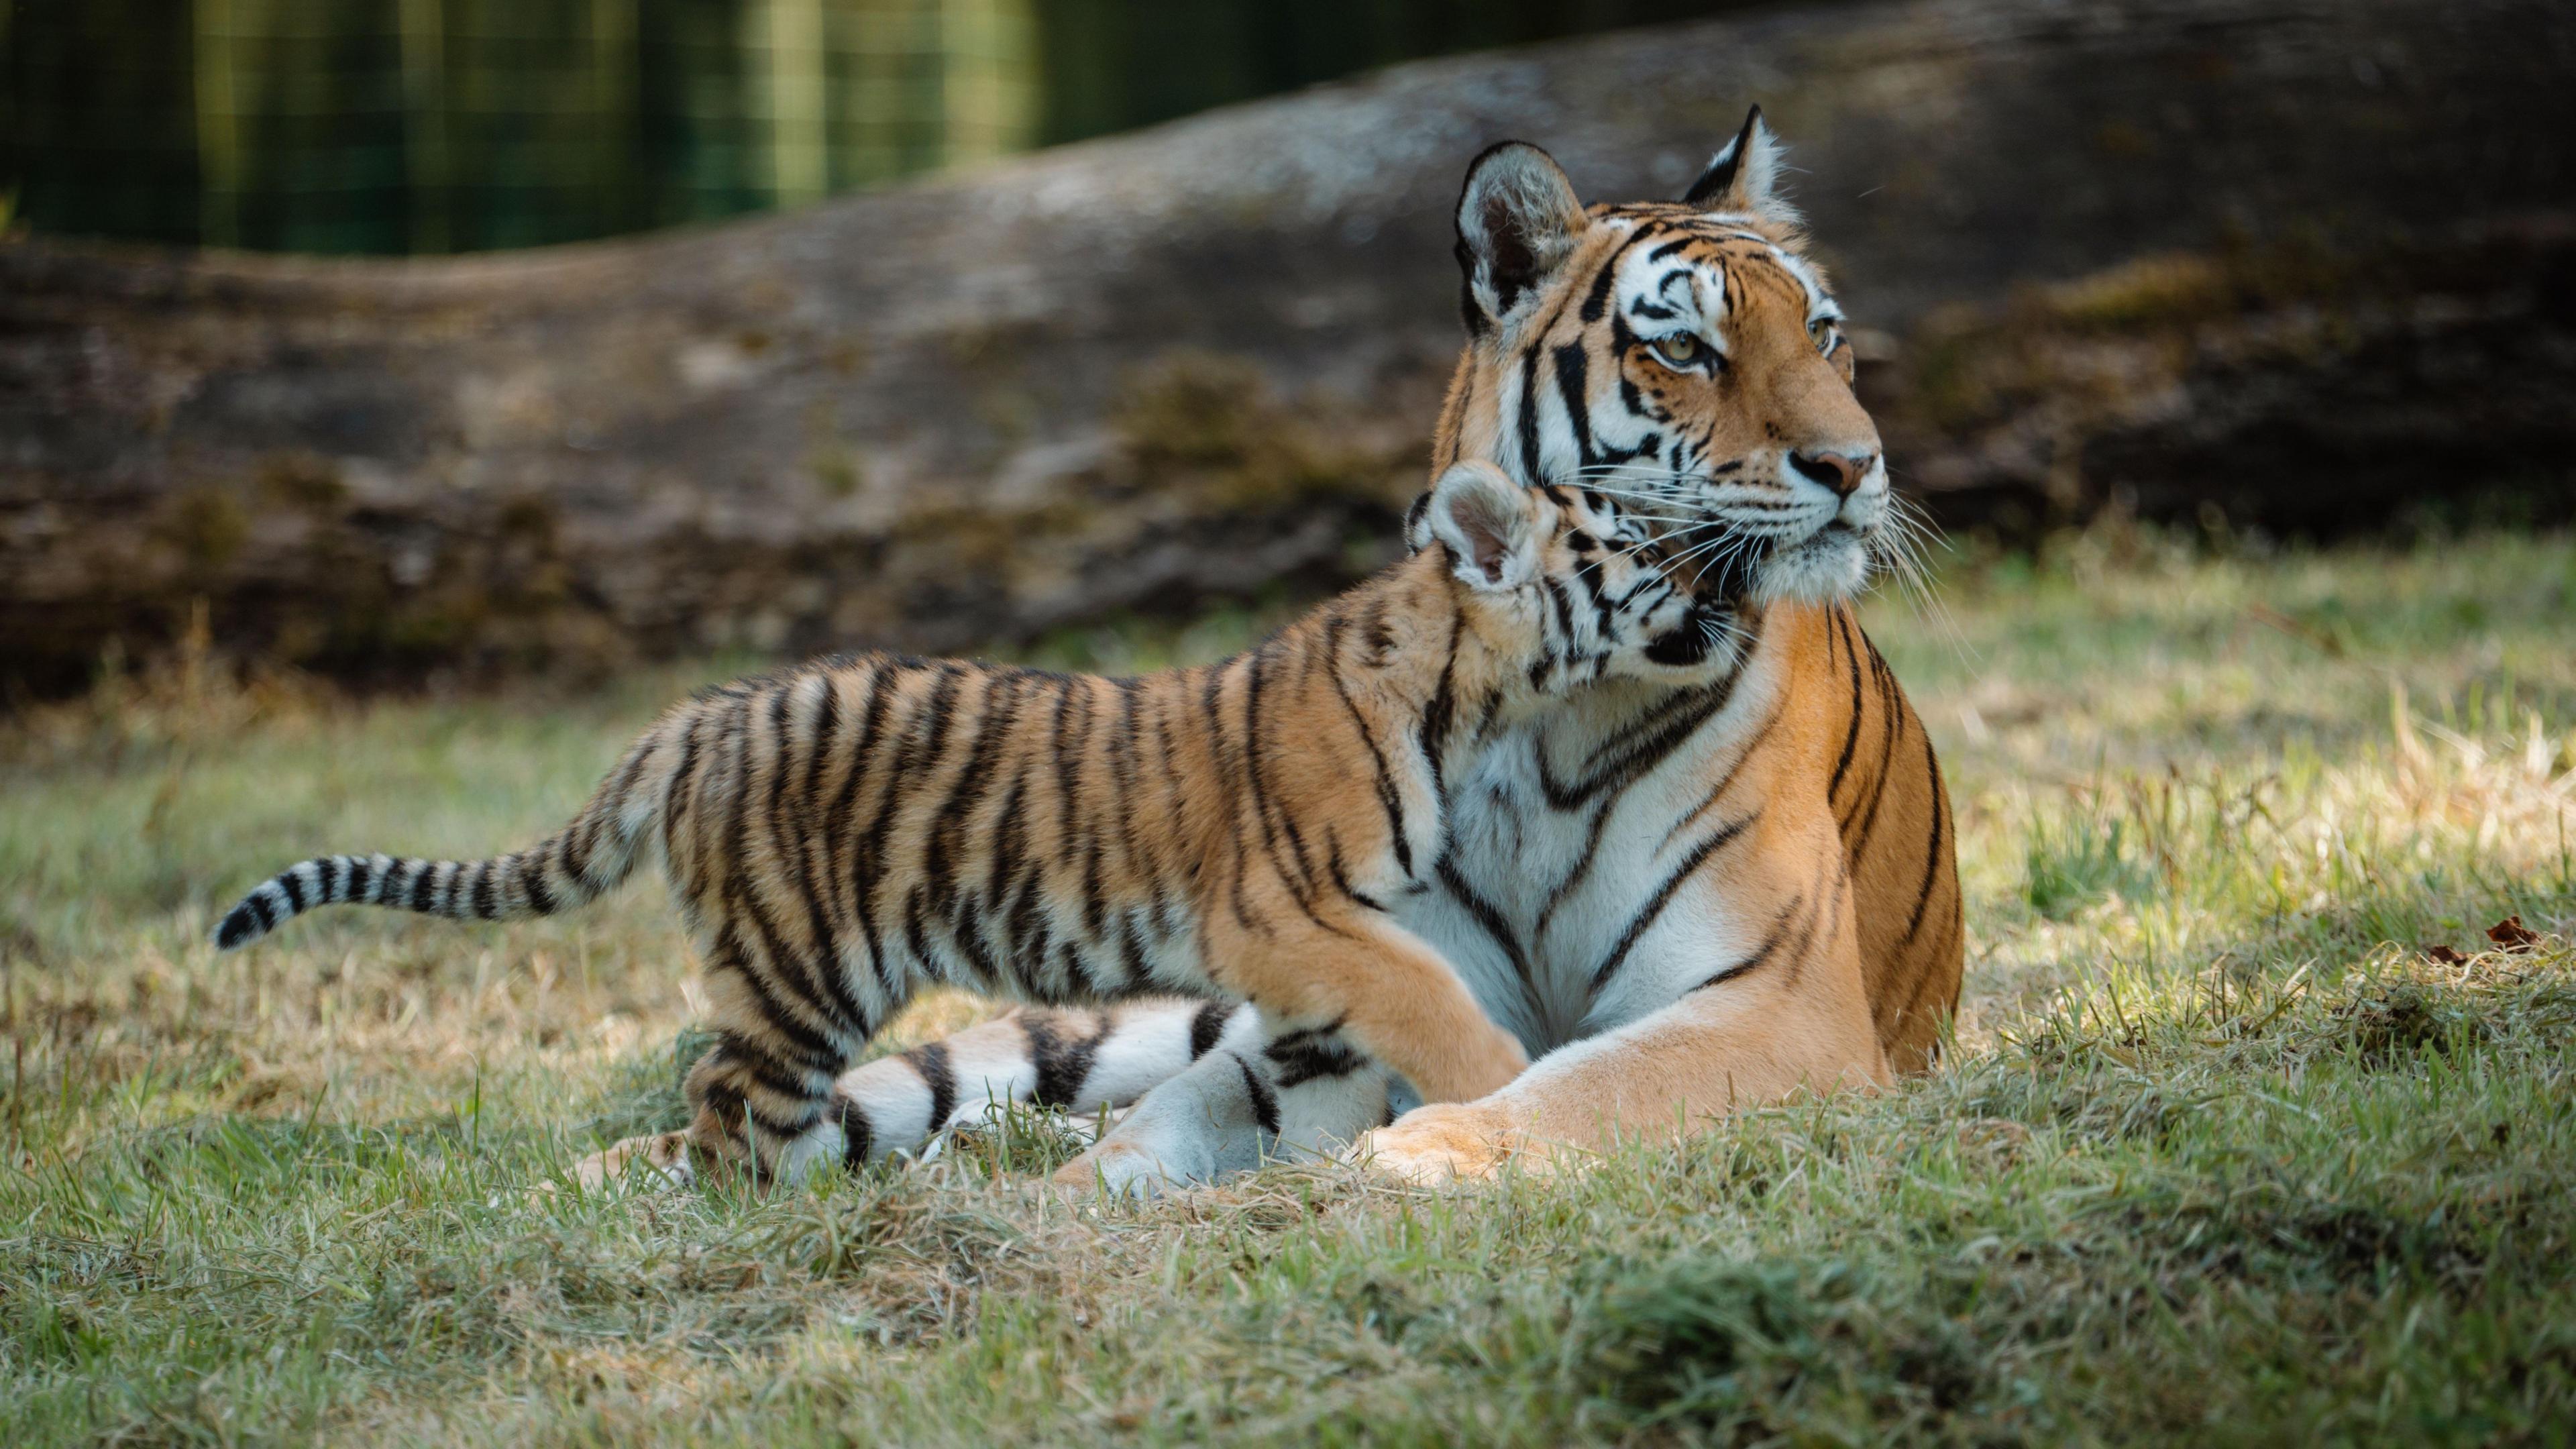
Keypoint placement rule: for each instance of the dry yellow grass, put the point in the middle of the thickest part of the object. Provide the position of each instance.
(2223, 1156)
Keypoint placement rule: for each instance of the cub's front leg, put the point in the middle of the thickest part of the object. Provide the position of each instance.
(1358, 973)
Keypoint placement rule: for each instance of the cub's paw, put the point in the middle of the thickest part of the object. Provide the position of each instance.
(660, 1160)
(1444, 1142)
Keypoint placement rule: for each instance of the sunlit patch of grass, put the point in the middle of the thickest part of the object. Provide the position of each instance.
(2222, 1155)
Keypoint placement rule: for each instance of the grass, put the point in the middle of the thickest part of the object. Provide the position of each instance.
(2223, 1156)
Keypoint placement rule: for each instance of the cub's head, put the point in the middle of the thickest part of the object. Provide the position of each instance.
(1564, 588)
(1683, 357)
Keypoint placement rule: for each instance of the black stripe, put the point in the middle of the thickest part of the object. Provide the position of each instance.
(1316, 1051)
(785, 1129)
(1571, 367)
(1726, 781)
(805, 854)
(1851, 734)
(1654, 906)
(1529, 413)
(258, 906)
(1856, 840)
(882, 685)
(858, 1135)
(1121, 751)
(1434, 730)
(676, 795)
(1131, 951)
(487, 896)
(1762, 953)
(1298, 883)
(1080, 982)
(754, 1060)
(1207, 1026)
(332, 873)
(819, 1051)
(904, 773)
(1063, 1062)
(532, 881)
(1825, 909)
(362, 874)
(1932, 855)
(294, 889)
(1574, 877)
(1680, 718)
(966, 930)
(812, 983)
(734, 887)
(931, 1061)
(996, 707)
(1490, 917)
(1387, 798)
(1340, 878)
(422, 873)
(1265, 1102)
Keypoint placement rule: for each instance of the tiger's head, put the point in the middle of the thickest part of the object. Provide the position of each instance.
(1562, 587)
(1684, 357)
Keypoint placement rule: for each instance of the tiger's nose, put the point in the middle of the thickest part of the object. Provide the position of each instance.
(1841, 472)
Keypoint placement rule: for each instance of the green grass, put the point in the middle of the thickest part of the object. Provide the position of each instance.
(2221, 1156)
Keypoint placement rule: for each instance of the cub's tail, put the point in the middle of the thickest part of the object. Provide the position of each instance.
(589, 857)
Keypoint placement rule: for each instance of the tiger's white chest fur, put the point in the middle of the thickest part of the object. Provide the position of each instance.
(1570, 897)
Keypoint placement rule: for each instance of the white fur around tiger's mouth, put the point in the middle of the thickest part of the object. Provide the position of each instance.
(1830, 564)
(1714, 560)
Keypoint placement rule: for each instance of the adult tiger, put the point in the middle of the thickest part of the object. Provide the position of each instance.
(1681, 901)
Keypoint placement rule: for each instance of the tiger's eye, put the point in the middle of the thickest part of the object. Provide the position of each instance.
(1822, 331)
(1680, 349)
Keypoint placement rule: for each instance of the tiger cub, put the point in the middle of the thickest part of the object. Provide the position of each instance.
(846, 833)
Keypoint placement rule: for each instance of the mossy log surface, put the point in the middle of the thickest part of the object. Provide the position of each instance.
(2173, 251)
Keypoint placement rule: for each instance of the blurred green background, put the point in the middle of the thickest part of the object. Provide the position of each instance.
(427, 126)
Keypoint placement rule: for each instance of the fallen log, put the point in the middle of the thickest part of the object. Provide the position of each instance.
(1201, 360)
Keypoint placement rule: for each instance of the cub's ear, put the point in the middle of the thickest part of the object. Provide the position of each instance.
(1745, 175)
(1518, 219)
(1489, 523)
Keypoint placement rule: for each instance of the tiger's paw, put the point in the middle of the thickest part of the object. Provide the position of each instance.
(1444, 1142)
(1118, 1170)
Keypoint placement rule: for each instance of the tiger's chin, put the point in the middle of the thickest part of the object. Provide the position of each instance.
(1828, 566)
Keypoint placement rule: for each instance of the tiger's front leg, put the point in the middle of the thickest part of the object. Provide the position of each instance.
(1074, 1060)
(1775, 1028)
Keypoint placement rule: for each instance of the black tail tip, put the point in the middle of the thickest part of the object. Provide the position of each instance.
(239, 928)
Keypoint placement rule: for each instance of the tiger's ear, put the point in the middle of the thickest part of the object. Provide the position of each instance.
(1518, 218)
(1745, 175)
(1489, 523)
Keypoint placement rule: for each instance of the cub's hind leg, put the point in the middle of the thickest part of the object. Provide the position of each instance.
(787, 1024)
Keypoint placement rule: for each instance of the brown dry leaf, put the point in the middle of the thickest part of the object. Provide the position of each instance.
(2513, 935)
(2444, 956)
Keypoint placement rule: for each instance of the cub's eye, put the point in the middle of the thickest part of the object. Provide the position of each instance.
(1679, 350)
(1821, 331)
